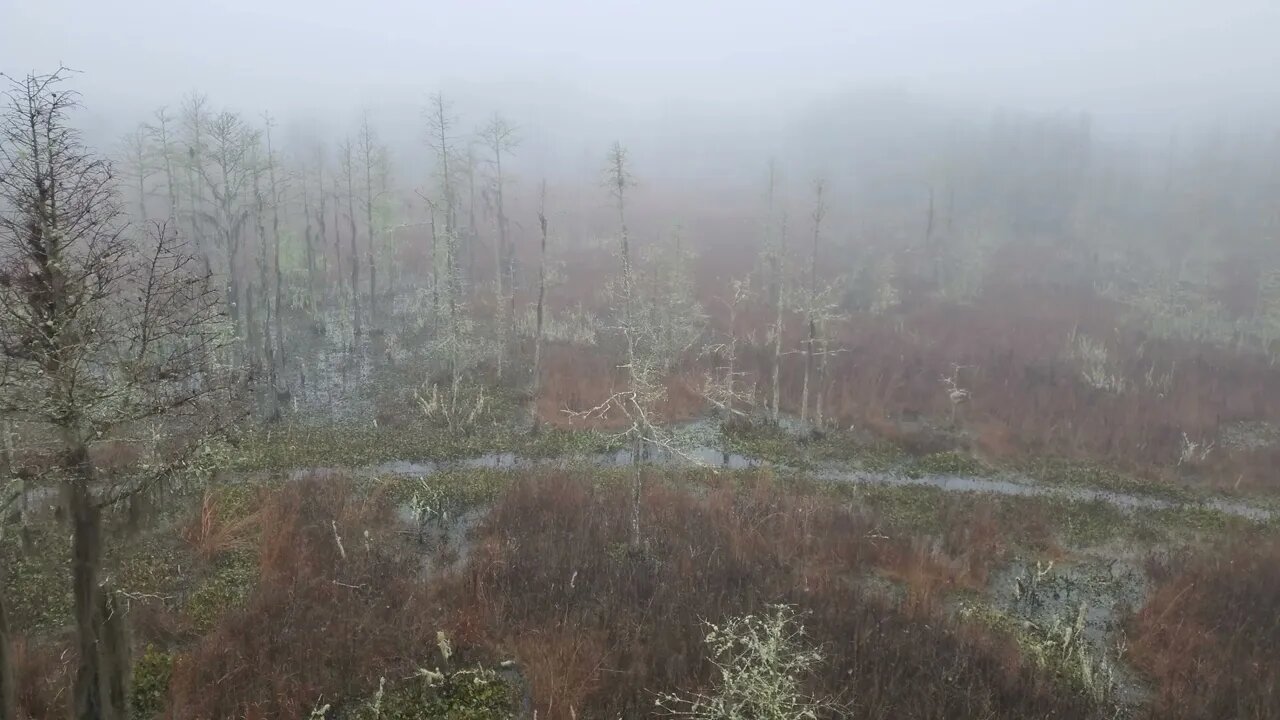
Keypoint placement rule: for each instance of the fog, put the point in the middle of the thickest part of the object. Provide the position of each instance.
(658, 70)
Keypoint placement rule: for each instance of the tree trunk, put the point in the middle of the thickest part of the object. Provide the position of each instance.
(113, 657)
(8, 686)
(86, 564)
(821, 384)
(368, 219)
(779, 302)
(355, 259)
(542, 296)
(309, 239)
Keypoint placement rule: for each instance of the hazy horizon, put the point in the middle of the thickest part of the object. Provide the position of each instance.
(1147, 65)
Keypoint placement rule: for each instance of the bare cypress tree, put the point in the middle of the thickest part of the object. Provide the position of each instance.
(232, 150)
(138, 167)
(98, 333)
(776, 248)
(309, 240)
(499, 137)
(161, 134)
(618, 177)
(374, 157)
(347, 152)
(195, 119)
(542, 296)
(275, 243)
(260, 340)
(811, 319)
(440, 126)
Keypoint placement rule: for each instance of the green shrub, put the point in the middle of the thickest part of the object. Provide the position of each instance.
(150, 683)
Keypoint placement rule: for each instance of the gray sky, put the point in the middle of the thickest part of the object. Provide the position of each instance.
(1127, 61)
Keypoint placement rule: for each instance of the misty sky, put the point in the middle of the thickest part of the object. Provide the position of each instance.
(1134, 63)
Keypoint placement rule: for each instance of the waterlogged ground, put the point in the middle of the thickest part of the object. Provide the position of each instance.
(701, 445)
(1066, 544)
(1066, 602)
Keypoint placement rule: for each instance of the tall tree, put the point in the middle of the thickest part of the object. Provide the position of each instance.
(440, 128)
(162, 137)
(138, 167)
(811, 304)
(374, 157)
(347, 152)
(500, 139)
(275, 241)
(98, 333)
(542, 297)
(228, 174)
(195, 121)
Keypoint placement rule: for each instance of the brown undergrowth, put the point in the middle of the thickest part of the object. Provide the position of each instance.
(1209, 636)
(599, 626)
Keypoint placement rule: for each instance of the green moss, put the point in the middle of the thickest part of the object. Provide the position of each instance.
(945, 463)
(151, 675)
(226, 588)
(777, 445)
(467, 695)
(1075, 473)
(452, 490)
(37, 582)
(349, 446)
(151, 566)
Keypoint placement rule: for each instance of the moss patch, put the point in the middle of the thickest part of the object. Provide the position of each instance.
(466, 695)
(150, 691)
(945, 463)
(227, 587)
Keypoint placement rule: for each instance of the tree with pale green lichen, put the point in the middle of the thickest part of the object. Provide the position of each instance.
(760, 664)
(101, 336)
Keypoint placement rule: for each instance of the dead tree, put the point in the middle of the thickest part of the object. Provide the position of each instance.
(275, 243)
(542, 296)
(374, 156)
(618, 176)
(195, 119)
(440, 127)
(309, 238)
(347, 152)
(811, 319)
(228, 176)
(138, 167)
(499, 137)
(99, 335)
(161, 135)
(775, 257)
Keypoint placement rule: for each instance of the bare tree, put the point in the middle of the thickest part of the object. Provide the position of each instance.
(161, 135)
(138, 167)
(228, 176)
(500, 138)
(99, 336)
(275, 241)
(195, 120)
(638, 403)
(811, 319)
(542, 297)
(776, 251)
(374, 157)
(440, 128)
(347, 152)
(721, 386)
(309, 236)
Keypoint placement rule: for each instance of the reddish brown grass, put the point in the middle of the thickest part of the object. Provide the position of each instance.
(319, 626)
(1209, 636)
(599, 628)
